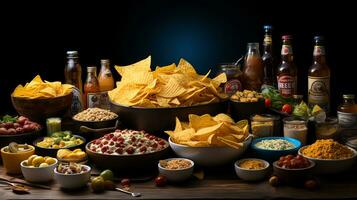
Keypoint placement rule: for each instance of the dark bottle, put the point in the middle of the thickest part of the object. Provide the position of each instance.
(268, 60)
(73, 76)
(287, 71)
(319, 77)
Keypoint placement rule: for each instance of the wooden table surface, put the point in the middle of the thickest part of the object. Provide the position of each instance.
(220, 183)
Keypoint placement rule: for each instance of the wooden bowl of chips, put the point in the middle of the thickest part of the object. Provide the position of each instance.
(39, 110)
(157, 120)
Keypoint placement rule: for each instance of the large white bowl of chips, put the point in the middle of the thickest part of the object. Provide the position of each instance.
(210, 156)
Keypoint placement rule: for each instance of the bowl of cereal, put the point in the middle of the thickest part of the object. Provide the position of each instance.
(329, 156)
(272, 148)
(95, 118)
(176, 169)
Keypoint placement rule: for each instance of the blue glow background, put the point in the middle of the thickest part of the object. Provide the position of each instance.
(36, 35)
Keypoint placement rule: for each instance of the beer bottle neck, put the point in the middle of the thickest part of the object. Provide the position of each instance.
(319, 54)
(287, 53)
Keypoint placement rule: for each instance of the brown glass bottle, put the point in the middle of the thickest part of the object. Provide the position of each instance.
(287, 71)
(268, 60)
(319, 77)
(253, 72)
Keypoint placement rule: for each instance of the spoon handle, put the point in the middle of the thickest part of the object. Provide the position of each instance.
(124, 191)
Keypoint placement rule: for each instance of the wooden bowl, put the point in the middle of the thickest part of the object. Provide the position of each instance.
(39, 110)
(158, 120)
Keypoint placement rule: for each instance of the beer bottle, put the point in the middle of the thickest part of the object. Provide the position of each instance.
(319, 77)
(73, 76)
(268, 61)
(91, 88)
(253, 72)
(287, 71)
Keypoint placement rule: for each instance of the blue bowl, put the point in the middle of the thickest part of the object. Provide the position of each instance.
(273, 155)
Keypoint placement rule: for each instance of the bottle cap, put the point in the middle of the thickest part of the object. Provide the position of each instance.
(268, 27)
(104, 61)
(92, 69)
(287, 37)
(72, 54)
(348, 96)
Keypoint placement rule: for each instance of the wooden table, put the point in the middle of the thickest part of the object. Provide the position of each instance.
(218, 184)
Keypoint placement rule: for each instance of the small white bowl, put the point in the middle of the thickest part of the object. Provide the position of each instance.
(251, 174)
(73, 181)
(38, 174)
(177, 175)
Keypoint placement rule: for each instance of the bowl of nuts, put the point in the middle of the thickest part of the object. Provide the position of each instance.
(96, 120)
(244, 104)
(72, 175)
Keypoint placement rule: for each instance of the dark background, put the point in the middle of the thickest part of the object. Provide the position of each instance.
(36, 35)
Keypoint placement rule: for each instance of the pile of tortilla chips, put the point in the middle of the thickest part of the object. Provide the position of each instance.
(168, 86)
(39, 89)
(205, 131)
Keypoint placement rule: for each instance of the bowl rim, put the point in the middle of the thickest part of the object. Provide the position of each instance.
(126, 155)
(37, 168)
(23, 134)
(108, 120)
(266, 163)
(312, 165)
(41, 138)
(20, 153)
(248, 139)
(328, 160)
(176, 170)
(256, 140)
(78, 174)
(166, 108)
(260, 100)
(36, 99)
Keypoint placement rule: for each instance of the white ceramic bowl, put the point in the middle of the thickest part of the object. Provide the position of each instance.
(251, 174)
(73, 181)
(210, 156)
(330, 166)
(38, 174)
(177, 175)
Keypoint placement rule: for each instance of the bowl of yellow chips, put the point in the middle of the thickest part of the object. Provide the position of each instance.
(150, 100)
(40, 99)
(210, 141)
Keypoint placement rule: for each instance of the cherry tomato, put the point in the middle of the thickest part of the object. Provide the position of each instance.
(160, 181)
(287, 108)
(125, 182)
(267, 103)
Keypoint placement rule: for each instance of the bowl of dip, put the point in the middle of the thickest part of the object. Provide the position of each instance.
(272, 148)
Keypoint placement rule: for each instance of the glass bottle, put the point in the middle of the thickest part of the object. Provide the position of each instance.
(319, 77)
(253, 72)
(233, 74)
(91, 88)
(347, 112)
(287, 71)
(73, 76)
(105, 77)
(268, 60)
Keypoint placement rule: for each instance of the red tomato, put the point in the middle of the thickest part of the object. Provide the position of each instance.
(287, 108)
(267, 103)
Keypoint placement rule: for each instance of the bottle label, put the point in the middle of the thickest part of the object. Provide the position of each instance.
(268, 39)
(286, 49)
(98, 100)
(232, 86)
(77, 104)
(319, 92)
(347, 120)
(319, 51)
(286, 85)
